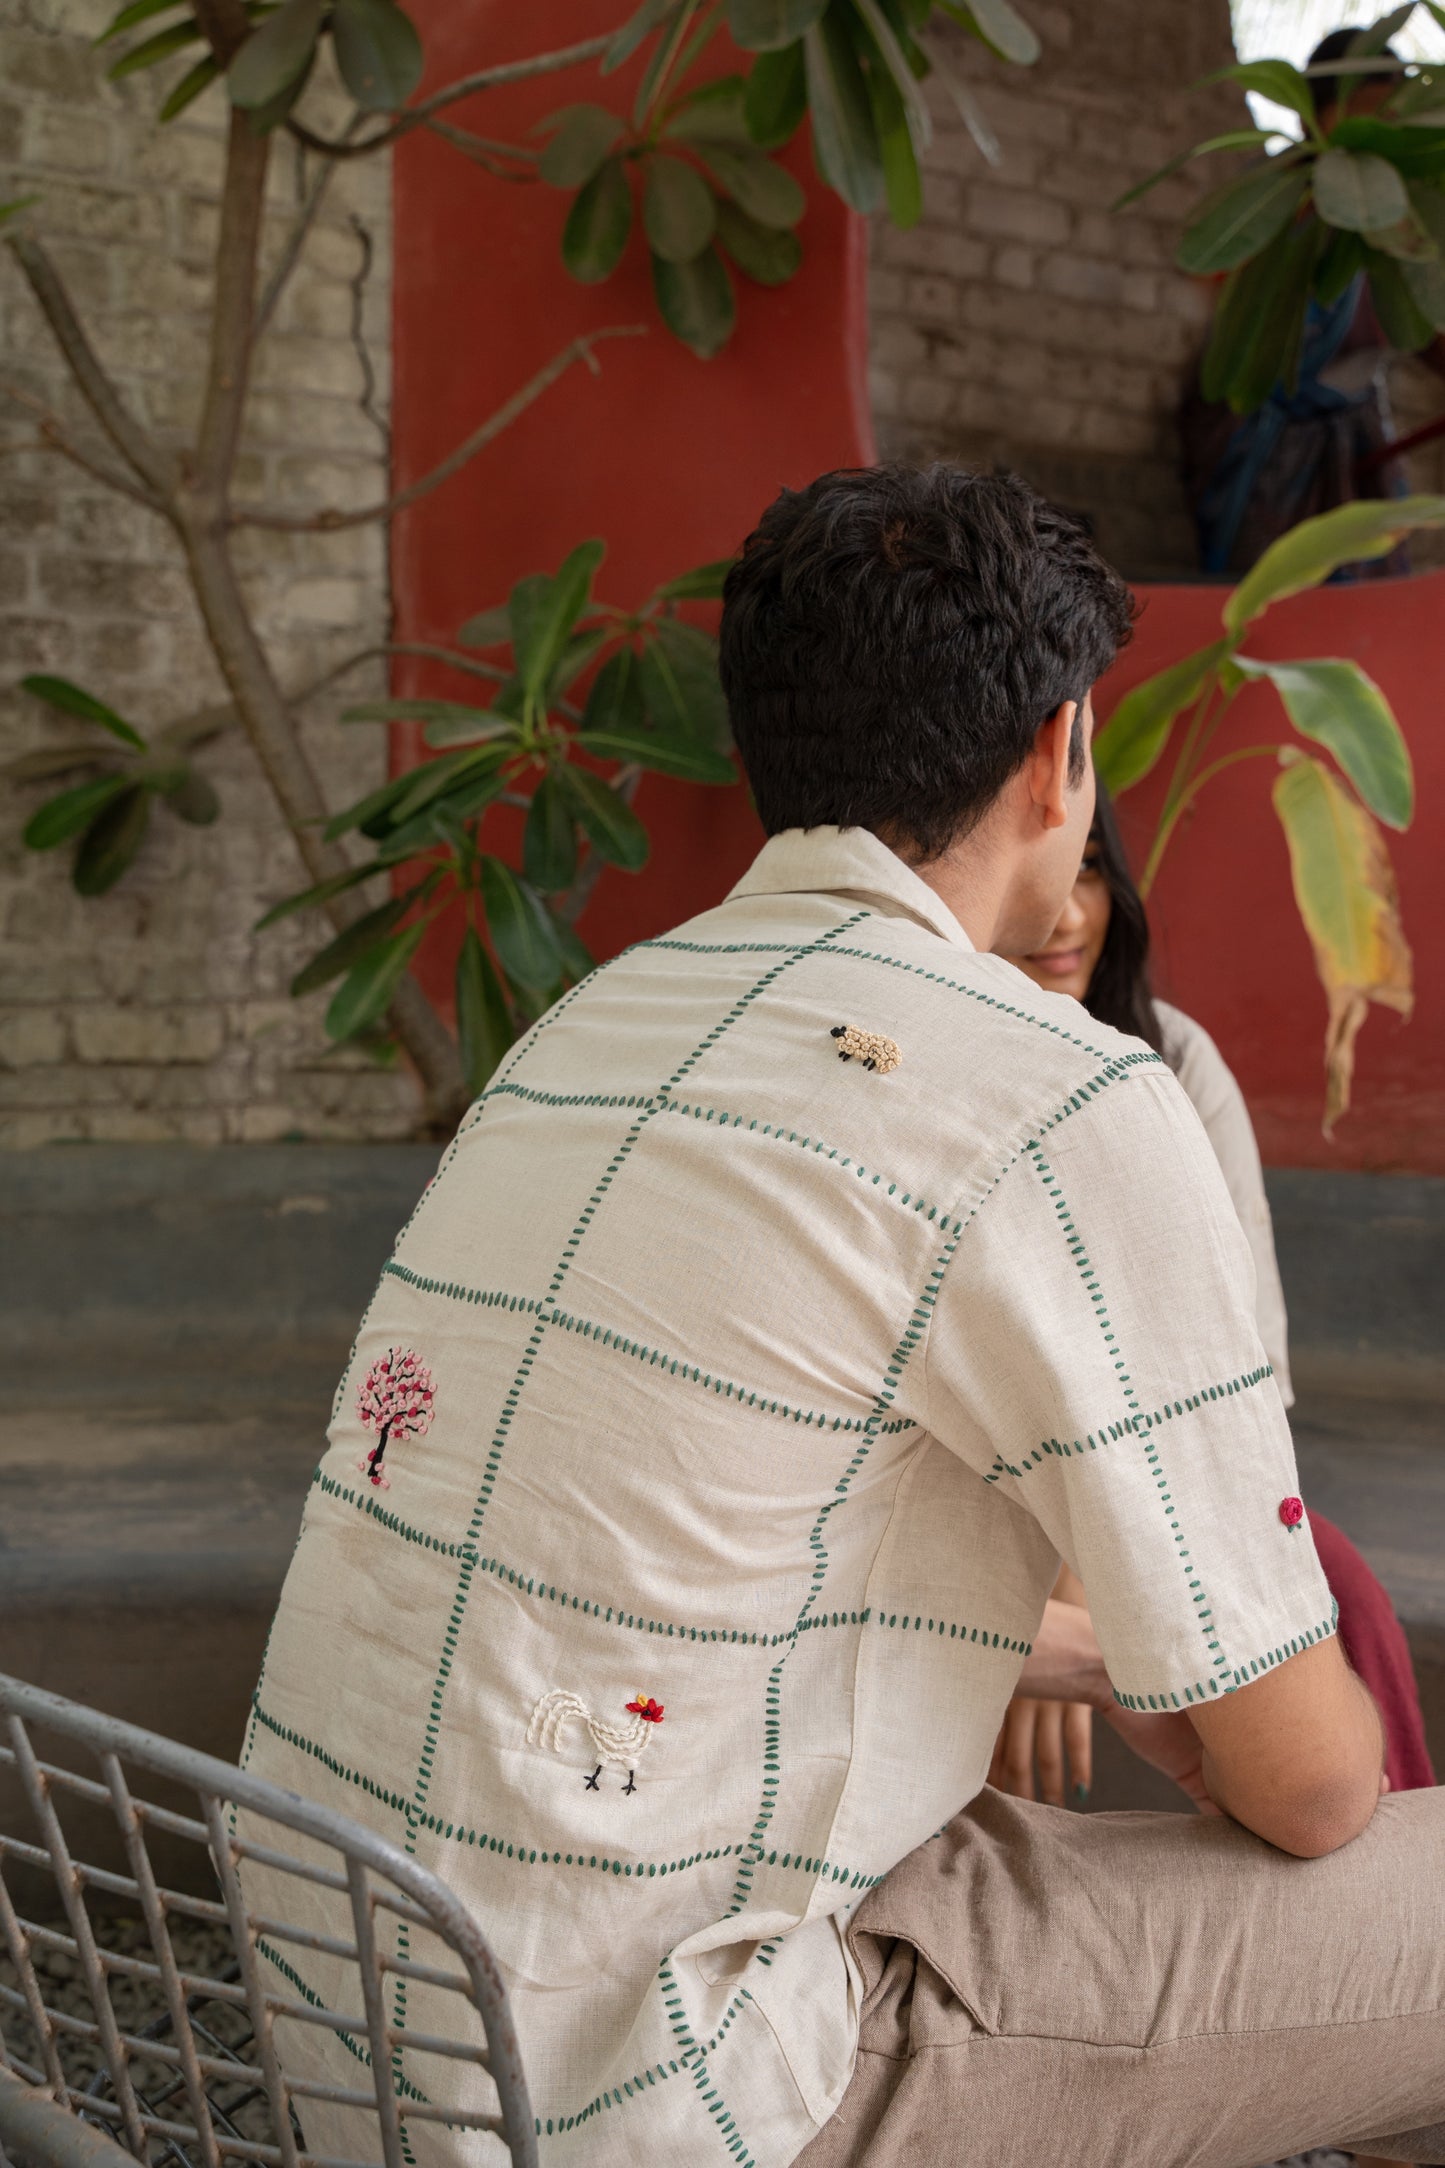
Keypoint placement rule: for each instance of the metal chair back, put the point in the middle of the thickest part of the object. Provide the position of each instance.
(138, 2016)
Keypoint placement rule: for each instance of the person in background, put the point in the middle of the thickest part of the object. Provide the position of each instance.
(1099, 953)
(1324, 441)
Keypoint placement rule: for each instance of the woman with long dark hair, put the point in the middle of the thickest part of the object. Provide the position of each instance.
(1099, 953)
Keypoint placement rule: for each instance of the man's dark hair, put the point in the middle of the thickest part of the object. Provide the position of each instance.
(1340, 45)
(893, 637)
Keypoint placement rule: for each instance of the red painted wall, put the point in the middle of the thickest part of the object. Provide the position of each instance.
(670, 459)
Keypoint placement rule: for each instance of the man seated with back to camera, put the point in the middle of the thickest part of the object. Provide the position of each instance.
(758, 1393)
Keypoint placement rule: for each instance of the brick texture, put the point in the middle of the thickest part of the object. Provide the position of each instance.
(155, 1012)
(1021, 322)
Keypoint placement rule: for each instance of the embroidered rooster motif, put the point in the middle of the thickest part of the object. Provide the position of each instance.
(617, 1746)
(870, 1047)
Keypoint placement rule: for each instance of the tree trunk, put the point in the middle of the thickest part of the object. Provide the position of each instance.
(268, 724)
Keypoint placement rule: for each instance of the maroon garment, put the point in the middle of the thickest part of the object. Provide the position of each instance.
(1375, 1643)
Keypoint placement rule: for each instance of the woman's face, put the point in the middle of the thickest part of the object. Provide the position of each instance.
(1066, 962)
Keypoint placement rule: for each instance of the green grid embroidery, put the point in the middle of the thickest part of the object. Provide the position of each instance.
(462, 1591)
(719, 948)
(520, 1853)
(772, 1701)
(1004, 1008)
(530, 1037)
(1128, 1426)
(415, 1812)
(899, 963)
(697, 2052)
(655, 1358)
(530, 1584)
(1201, 1689)
(1203, 1610)
(555, 2125)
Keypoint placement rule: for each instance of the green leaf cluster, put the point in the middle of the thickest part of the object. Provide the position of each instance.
(378, 53)
(1366, 197)
(1332, 702)
(107, 816)
(1331, 811)
(712, 201)
(653, 703)
(696, 167)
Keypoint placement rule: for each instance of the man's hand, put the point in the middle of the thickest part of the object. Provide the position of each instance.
(1169, 1744)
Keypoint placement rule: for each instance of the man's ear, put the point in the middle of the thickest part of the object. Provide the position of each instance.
(1048, 765)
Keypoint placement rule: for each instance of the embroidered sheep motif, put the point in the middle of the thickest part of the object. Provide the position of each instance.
(870, 1047)
(617, 1746)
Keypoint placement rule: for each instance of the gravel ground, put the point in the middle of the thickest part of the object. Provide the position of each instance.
(203, 1951)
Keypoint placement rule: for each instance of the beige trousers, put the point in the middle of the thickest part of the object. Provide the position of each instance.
(1055, 1990)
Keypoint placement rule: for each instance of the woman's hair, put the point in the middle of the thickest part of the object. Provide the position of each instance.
(1340, 45)
(1119, 992)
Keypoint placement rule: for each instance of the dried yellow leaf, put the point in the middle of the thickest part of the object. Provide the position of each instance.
(1344, 884)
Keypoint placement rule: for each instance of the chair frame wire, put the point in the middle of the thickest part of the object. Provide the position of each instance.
(48, 2118)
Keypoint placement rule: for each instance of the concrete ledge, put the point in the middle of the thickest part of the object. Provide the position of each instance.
(1362, 1257)
(118, 1257)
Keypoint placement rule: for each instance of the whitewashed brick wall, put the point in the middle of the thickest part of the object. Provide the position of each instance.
(154, 1012)
(1023, 323)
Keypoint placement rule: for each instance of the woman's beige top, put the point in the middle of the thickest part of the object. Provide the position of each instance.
(1219, 1103)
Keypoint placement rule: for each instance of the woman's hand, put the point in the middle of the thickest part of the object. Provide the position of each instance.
(1045, 1736)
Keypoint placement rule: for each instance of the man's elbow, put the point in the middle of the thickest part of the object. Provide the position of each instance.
(1323, 1818)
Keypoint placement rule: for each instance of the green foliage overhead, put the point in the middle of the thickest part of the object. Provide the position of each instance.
(697, 159)
(1366, 197)
(581, 699)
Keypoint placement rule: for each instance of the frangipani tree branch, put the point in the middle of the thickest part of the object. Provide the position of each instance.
(333, 518)
(422, 649)
(226, 25)
(147, 462)
(52, 438)
(415, 116)
(291, 248)
(491, 156)
(233, 312)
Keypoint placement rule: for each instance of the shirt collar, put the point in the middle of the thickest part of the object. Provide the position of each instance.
(848, 862)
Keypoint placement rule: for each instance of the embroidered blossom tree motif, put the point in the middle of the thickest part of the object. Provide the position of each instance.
(397, 1399)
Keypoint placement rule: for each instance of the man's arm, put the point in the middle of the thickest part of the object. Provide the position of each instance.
(1295, 1756)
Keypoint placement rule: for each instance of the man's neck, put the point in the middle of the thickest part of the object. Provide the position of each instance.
(972, 878)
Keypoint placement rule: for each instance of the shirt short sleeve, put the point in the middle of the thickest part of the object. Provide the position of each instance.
(1093, 1353)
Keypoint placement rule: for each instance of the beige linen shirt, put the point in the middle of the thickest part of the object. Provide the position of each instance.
(766, 1389)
